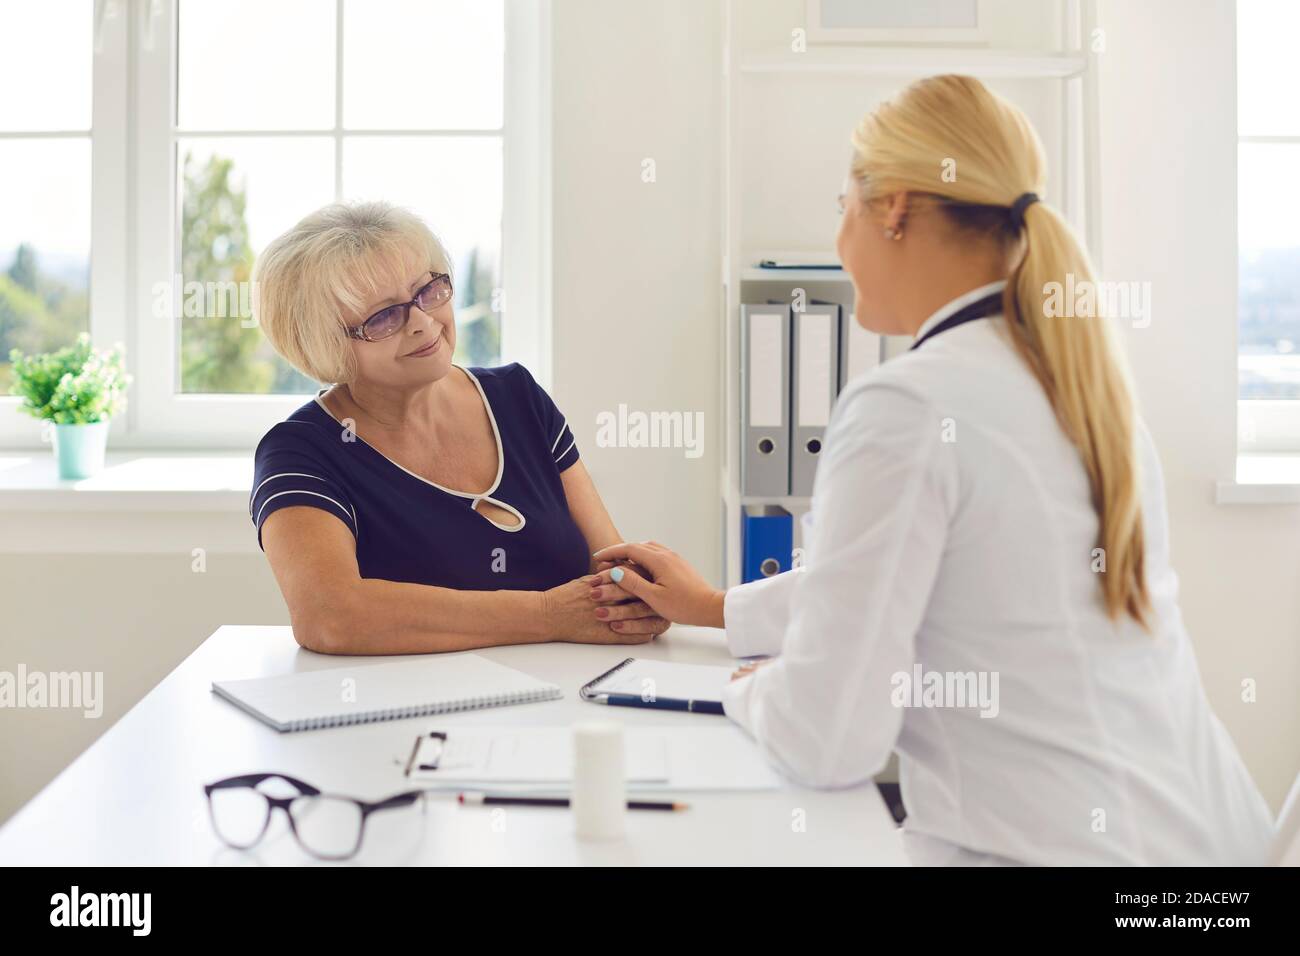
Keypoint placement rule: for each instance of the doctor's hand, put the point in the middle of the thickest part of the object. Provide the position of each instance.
(674, 589)
(746, 669)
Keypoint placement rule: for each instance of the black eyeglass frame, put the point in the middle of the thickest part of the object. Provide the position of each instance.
(359, 331)
(250, 781)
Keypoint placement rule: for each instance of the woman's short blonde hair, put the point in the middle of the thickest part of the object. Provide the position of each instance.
(324, 272)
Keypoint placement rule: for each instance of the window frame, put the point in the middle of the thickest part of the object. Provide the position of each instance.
(108, 241)
(1268, 426)
(1264, 425)
(133, 240)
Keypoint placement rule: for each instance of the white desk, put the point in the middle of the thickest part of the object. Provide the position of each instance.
(135, 797)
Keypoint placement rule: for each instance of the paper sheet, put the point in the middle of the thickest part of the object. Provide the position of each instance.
(656, 758)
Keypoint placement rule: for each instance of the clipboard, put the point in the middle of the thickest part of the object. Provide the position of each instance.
(684, 757)
(524, 757)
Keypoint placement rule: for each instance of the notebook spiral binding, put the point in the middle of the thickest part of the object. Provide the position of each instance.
(401, 713)
(587, 692)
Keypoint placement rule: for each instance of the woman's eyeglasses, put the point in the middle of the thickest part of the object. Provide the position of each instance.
(390, 321)
(326, 825)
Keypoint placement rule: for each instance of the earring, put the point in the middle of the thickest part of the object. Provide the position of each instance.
(894, 234)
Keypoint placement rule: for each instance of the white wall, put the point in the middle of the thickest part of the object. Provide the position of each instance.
(1169, 156)
(638, 273)
(133, 618)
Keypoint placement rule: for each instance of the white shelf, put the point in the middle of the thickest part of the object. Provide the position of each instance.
(787, 502)
(758, 274)
(914, 61)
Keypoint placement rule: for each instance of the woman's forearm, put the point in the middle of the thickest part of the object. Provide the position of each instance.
(588, 511)
(373, 616)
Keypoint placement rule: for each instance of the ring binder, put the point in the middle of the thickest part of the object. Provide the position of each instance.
(814, 384)
(765, 399)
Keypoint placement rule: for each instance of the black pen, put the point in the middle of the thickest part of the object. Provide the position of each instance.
(660, 703)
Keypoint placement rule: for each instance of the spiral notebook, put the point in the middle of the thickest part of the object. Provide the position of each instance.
(308, 700)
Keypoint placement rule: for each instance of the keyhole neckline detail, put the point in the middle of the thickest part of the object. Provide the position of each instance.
(473, 497)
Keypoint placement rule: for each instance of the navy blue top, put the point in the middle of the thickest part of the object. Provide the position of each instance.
(409, 529)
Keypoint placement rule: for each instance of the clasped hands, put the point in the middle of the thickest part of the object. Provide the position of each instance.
(638, 590)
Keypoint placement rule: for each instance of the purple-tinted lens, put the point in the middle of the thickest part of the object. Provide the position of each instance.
(434, 294)
(385, 323)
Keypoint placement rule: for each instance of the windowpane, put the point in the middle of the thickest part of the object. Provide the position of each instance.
(45, 64)
(239, 194)
(1268, 206)
(454, 184)
(44, 245)
(253, 65)
(416, 64)
(1268, 72)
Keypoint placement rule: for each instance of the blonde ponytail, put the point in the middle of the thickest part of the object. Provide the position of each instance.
(955, 122)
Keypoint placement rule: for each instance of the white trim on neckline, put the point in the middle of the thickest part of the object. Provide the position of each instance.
(474, 498)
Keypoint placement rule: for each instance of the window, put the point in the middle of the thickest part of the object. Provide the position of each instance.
(44, 177)
(1268, 206)
(137, 213)
(349, 113)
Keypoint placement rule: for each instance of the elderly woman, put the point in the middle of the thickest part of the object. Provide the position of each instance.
(416, 505)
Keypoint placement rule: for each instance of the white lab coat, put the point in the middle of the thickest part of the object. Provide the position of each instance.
(952, 530)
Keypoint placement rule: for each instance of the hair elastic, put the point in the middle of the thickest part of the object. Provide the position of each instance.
(1023, 202)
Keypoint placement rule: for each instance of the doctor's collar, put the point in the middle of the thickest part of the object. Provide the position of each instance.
(974, 295)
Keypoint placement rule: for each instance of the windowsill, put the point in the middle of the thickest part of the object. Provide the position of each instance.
(221, 481)
(1262, 480)
(130, 481)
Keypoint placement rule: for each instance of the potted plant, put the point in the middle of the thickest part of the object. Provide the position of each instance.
(78, 389)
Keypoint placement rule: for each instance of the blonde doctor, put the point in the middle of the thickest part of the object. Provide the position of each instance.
(987, 588)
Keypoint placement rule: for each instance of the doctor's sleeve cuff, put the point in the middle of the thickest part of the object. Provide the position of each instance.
(756, 614)
(735, 702)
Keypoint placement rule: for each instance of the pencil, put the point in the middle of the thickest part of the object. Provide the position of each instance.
(488, 799)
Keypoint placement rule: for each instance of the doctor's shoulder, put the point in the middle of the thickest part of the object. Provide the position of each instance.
(912, 376)
(890, 398)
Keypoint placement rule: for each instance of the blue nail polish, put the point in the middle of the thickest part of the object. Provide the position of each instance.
(616, 575)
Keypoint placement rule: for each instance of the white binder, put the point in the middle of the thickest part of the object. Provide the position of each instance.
(859, 349)
(814, 384)
(765, 400)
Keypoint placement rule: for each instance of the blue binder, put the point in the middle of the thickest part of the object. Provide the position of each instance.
(767, 541)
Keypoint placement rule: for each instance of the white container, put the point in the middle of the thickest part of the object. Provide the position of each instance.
(599, 798)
